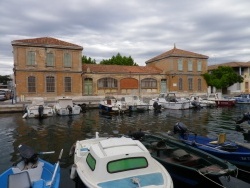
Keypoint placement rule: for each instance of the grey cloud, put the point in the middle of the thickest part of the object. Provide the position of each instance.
(141, 28)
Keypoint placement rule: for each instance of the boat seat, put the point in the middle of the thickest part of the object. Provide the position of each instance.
(20, 180)
(221, 139)
(181, 155)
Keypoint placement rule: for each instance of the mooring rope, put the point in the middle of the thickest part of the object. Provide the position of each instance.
(244, 171)
(210, 179)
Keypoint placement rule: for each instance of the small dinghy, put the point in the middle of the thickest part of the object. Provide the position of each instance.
(31, 171)
(187, 166)
(116, 162)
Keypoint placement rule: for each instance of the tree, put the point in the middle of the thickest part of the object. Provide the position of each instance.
(119, 60)
(222, 77)
(86, 60)
(5, 79)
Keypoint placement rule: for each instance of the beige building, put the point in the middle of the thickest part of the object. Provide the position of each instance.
(182, 69)
(243, 69)
(47, 67)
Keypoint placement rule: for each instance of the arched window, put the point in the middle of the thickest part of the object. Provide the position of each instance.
(148, 83)
(107, 83)
(31, 84)
(180, 84)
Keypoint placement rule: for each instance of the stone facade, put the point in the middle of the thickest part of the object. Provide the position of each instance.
(31, 72)
(183, 70)
(42, 66)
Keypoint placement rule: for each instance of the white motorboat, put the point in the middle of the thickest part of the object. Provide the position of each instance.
(116, 162)
(170, 101)
(111, 105)
(65, 106)
(38, 109)
(134, 103)
(198, 101)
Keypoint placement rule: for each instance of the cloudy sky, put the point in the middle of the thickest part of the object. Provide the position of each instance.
(141, 29)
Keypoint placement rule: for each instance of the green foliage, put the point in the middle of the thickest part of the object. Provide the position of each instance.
(5, 79)
(222, 77)
(86, 60)
(119, 60)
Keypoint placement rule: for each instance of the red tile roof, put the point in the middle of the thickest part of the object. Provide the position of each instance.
(175, 52)
(229, 64)
(47, 42)
(97, 68)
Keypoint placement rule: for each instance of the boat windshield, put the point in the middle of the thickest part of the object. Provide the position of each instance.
(127, 164)
(91, 162)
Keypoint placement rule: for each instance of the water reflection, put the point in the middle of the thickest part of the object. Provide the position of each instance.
(55, 133)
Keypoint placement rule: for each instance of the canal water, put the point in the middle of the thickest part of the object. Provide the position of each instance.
(56, 133)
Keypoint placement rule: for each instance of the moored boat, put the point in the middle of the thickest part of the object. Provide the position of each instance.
(170, 101)
(134, 103)
(231, 151)
(221, 101)
(31, 171)
(65, 106)
(38, 109)
(187, 166)
(116, 162)
(242, 99)
(111, 105)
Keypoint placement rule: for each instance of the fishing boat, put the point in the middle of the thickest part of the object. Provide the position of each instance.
(242, 99)
(38, 109)
(233, 152)
(65, 106)
(170, 101)
(116, 162)
(187, 166)
(31, 171)
(110, 105)
(134, 103)
(221, 101)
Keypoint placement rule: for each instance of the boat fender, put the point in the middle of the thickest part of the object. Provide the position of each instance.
(72, 150)
(40, 110)
(73, 172)
(25, 115)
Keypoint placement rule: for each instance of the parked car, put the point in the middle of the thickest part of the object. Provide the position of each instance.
(7, 93)
(2, 96)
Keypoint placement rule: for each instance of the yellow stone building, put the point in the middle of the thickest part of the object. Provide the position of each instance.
(47, 67)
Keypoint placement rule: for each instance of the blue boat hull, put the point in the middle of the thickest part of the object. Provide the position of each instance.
(46, 176)
(234, 153)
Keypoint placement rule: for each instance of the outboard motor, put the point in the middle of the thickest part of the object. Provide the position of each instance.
(136, 135)
(40, 111)
(157, 107)
(83, 107)
(246, 117)
(70, 109)
(28, 154)
(181, 128)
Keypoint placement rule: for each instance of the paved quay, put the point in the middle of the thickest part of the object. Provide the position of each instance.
(9, 106)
